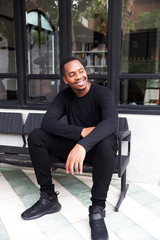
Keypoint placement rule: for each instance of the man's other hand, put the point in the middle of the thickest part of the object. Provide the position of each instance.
(75, 159)
(86, 131)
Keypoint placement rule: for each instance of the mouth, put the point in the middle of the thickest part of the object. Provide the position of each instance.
(80, 82)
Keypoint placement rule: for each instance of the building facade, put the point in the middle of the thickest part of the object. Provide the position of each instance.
(117, 40)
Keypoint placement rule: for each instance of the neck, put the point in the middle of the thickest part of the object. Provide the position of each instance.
(81, 93)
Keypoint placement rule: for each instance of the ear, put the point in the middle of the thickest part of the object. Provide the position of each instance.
(65, 80)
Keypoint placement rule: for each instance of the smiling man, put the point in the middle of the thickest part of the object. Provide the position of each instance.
(88, 136)
(75, 75)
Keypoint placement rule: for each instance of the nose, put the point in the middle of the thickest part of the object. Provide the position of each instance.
(78, 75)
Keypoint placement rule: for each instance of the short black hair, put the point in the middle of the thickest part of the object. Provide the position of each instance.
(66, 60)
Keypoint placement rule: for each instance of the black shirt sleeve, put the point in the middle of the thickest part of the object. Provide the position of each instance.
(51, 123)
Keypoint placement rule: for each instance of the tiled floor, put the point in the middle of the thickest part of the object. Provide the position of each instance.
(137, 219)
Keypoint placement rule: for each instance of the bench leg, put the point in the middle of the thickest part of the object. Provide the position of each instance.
(124, 188)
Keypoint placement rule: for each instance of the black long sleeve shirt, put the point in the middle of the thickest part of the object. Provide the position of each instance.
(96, 108)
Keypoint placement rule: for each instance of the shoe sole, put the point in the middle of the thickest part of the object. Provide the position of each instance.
(55, 209)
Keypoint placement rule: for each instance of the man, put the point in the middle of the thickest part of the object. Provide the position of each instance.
(89, 137)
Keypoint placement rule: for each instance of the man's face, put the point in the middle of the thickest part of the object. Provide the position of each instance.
(75, 75)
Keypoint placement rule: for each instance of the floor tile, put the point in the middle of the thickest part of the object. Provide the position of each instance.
(152, 227)
(3, 232)
(109, 208)
(113, 192)
(127, 203)
(83, 228)
(154, 207)
(138, 216)
(65, 179)
(113, 236)
(134, 233)
(153, 189)
(117, 221)
(69, 202)
(133, 188)
(52, 221)
(27, 230)
(143, 197)
(148, 187)
(31, 176)
(8, 199)
(75, 214)
(85, 179)
(18, 229)
(66, 232)
(78, 189)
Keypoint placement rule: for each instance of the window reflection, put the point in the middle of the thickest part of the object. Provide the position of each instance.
(43, 90)
(140, 36)
(42, 36)
(140, 91)
(89, 33)
(8, 89)
(101, 82)
(7, 40)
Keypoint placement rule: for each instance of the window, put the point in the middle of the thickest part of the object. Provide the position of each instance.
(42, 38)
(140, 52)
(8, 85)
(8, 89)
(89, 34)
(7, 38)
(140, 91)
(42, 49)
(118, 41)
(43, 90)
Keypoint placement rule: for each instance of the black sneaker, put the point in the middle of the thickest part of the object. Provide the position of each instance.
(97, 224)
(43, 206)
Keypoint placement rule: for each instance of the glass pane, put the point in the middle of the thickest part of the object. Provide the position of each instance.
(7, 40)
(43, 90)
(101, 82)
(42, 36)
(89, 33)
(140, 91)
(8, 89)
(140, 36)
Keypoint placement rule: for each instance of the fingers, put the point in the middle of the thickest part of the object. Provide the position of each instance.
(71, 166)
(76, 167)
(75, 159)
(67, 167)
(80, 167)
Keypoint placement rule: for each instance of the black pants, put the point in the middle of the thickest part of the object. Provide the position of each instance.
(43, 146)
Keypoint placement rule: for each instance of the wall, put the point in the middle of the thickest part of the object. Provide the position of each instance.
(144, 163)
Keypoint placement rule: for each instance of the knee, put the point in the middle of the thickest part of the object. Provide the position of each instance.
(107, 146)
(35, 136)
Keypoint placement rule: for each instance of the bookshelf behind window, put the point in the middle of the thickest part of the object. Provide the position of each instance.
(96, 57)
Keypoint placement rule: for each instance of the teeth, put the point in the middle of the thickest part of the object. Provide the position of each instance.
(80, 83)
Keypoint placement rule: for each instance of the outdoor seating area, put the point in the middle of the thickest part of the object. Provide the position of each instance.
(79, 91)
(13, 124)
(138, 217)
(132, 210)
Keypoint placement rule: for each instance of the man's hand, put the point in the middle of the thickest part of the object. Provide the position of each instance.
(86, 131)
(75, 159)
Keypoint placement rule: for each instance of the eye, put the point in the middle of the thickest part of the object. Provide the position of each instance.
(81, 71)
(71, 75)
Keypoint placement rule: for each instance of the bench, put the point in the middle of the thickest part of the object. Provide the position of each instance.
(13, 124)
